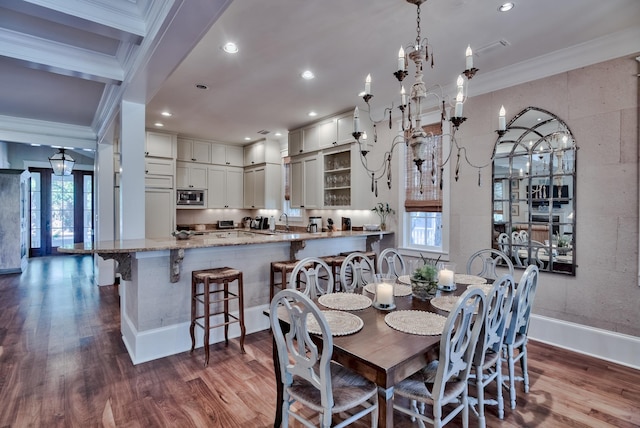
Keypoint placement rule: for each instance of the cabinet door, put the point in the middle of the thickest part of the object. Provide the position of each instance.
(310, 139)
(218, 154)
(159, 213)
(345, 129)
(327, 134)
(249, 188)
(198, 176)
(295, 142)
(159, 145)
(185, 149)
(234, 155)
(311, 182)
(259, 177)
(201, 151)
(297, 183)
(235, 187)
(182, 176)
(216, 186)
(254, 154)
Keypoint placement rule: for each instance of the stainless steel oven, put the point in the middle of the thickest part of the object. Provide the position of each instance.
(191, 198)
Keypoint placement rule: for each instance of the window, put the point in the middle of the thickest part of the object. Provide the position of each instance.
(423, 228)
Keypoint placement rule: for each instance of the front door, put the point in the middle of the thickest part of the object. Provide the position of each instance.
(61, 210)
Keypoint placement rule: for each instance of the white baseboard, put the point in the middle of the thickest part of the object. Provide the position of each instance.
(607, 345)
(162, 342)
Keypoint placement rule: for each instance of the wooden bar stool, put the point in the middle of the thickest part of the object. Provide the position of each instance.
(370, 254)
(283, 268)
(335, 263)
(212, 279)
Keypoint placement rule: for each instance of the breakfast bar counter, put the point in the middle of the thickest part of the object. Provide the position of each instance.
(155, 287)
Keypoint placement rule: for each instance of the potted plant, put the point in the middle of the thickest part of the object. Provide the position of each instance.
(383, 210)
(424, 280)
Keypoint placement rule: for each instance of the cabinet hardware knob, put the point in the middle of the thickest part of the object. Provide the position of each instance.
(193, 159)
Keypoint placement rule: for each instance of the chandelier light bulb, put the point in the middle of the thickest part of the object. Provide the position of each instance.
(367, 85)
(501, 119)
(403, 96)
(469, 55)
(401, 65)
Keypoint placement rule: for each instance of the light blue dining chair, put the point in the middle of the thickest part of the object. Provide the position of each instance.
(516, 335)
(308, 375)
(444, 382)
(391, 262)
(357, 270)
(484, 263)
(316, 274)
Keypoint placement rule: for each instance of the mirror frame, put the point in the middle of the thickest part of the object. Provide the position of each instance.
(533, 192)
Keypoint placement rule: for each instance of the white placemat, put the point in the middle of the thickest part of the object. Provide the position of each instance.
(416, 322)
(340, 323)
(486, 288)
(399, 290)
(345, 301)
(464, 279)
(445, 303)
(404, 279)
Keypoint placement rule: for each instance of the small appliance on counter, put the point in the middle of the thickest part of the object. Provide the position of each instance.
(346, 223)
(260, 223)
(225, 224)
(315, 224)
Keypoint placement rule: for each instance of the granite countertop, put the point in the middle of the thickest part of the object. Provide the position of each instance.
(218, 238)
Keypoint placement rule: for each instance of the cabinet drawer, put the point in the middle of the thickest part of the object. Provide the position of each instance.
(158, 167)
(158, 181)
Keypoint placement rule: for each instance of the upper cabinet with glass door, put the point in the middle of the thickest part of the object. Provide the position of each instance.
(534, 187)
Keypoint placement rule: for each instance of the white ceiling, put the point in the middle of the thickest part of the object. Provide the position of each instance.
(71, 62)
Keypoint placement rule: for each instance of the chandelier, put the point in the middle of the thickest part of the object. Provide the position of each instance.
(411, 109)
(61, 163)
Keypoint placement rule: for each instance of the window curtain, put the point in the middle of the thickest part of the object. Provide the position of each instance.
(423, 192)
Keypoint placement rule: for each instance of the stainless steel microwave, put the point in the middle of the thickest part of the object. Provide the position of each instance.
(192, 198)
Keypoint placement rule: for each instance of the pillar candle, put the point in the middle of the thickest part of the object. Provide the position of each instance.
(384, 293)
(446, 277)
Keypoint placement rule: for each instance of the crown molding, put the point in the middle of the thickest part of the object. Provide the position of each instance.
(30, 131)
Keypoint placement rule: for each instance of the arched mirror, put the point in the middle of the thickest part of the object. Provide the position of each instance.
(534, 188)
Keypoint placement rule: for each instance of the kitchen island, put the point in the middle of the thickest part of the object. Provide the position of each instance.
(155, 291)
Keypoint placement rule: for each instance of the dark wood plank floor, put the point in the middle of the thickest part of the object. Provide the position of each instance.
(63, 364)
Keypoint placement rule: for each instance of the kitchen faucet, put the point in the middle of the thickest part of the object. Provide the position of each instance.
(286, 219)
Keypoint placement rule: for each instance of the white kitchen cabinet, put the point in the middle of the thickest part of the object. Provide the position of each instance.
(327, 133)
(191, 175)
(160, 145)
(344, 125)
(346, 183)
(225, 187)
(264, 151)
(222, 154)
(305, 182)
(159, 212)
(295, 142)
(262, 186)
(157, 166)
(194, 150)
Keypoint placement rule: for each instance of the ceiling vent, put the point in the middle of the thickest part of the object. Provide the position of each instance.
(491, 47)
(264, 132)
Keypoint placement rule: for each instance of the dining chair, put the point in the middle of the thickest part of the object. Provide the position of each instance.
(391, 261)
(484, 262)
(316, 274)
(516, 334)
(356, 271)
(308, 375)
(444, 381)
(487, 361)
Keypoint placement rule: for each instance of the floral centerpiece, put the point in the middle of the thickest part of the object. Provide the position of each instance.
(424, 280)
(383, 210)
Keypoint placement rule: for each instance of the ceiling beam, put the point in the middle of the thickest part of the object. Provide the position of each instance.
(41, 54)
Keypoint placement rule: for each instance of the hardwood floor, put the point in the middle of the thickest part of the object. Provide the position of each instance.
(63, 364)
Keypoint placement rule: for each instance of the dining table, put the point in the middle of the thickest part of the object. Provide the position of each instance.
(380, 353)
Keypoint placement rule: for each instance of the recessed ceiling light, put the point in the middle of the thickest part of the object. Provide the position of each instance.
(313, 114)
(278, 134)
(166, 114)
(202, 86)
(35, 145)
(308, 75)
(247, 138)
(506, 7)
(230, 47)
(159, 124)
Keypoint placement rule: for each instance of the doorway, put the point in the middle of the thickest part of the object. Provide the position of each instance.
(61, 210)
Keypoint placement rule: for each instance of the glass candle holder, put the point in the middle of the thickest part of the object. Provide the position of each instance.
(446, 276)
(384, 297)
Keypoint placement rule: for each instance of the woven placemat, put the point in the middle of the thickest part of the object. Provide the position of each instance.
(344, 301)
(404, 279)
(399, 290)
(340, 323)
(486, 288)
(445, 303)
(416, 322)
(464, 279)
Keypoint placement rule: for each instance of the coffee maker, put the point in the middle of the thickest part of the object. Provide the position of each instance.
(315, 224)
